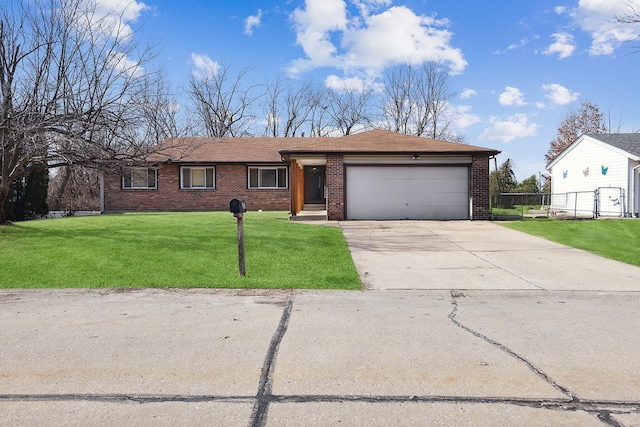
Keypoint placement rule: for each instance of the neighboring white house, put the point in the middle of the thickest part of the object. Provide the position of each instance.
(599, 175)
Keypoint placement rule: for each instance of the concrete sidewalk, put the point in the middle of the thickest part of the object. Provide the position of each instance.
(475, 255)
(378, 358)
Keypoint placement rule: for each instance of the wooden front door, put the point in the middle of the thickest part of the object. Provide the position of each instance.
(314, 177)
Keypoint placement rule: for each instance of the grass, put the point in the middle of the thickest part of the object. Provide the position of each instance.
(612, 238)
(174, 250)
(516, 210)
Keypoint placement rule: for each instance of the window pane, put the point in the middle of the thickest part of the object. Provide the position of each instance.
(126, 179)
(268, 178)
(151, 178)
(282, 178)
(186, 177)
(253, 178)
(139, 178)
(210, 180)
(198, 178)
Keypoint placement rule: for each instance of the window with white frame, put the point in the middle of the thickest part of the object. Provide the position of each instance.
(140, 178)
(198, 178)
(268, 177)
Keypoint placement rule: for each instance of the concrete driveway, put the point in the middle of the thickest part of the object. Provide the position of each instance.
(475, 255)
(454, 350)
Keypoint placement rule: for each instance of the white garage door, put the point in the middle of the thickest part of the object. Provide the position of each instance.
(401, 192)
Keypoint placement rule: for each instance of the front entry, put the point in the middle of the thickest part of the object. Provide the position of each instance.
(314, 177)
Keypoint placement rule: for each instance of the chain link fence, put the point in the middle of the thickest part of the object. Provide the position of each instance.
(519, 205)
(602, 202)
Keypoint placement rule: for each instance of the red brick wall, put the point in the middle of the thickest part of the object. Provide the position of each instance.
(479, 188)
(335, 187)
(231, 183)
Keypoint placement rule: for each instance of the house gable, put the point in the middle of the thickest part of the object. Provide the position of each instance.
(627, 145)
(598, 174)
(587, 165)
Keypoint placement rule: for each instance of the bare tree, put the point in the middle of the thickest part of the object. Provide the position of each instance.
(70, 79)
(288, 108)
(630, 21)
(349, 107)
(160, 113)
(73, 188)
(223, 102)
(631, 16)
(273, 99)
(416, 99)
(319, 118)
(433, 119)
(399, 98)
(588, 119)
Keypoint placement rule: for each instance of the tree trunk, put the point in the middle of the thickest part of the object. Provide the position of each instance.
(3, 197)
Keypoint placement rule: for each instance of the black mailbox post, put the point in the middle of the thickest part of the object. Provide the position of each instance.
(238, 207)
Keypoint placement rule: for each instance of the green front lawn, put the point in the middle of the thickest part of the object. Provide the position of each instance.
(617, 239)
(516, 210)
(174, 250)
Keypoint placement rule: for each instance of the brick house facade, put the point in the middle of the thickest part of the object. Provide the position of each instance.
(231, 183)
(269, 173)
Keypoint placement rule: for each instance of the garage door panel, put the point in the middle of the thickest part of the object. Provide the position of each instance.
(394, 192)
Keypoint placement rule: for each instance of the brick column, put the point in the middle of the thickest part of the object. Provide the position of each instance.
(335, 187)
(479, 191)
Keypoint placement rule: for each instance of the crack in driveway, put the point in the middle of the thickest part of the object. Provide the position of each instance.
(573, 402)
(603, 410)
(261, 406)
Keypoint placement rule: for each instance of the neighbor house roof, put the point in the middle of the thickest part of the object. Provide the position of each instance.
(629, 142)
(271, 150)
(625, 143)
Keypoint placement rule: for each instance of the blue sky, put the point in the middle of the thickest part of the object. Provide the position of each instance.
(517, 66)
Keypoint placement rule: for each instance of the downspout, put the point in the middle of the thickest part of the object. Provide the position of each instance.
(636, 202)
(101, 178)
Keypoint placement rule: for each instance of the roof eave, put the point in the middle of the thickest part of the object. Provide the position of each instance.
(387, 153)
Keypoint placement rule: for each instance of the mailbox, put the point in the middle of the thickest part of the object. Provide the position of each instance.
(237, 206)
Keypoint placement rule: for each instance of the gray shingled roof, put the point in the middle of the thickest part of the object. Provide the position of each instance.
(629, 142)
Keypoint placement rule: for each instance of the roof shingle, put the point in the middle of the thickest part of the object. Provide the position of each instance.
(269, 150)
(629, 142)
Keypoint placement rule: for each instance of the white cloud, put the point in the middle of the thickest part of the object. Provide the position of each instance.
(540, 105)
(563, 46)
(350, 83)
(511, 96)
(203, 66)
(514, 127)
(119, 61)
(598, 18)
(467, 93)
(314, 27)
(559, 94)
(367, 6)
(251, 22)
(463, 117)
(111, 18)
(370, 41)
(523, 42)
(559, 10)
